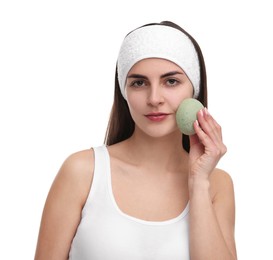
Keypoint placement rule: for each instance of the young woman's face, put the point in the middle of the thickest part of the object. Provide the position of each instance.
(155, 88)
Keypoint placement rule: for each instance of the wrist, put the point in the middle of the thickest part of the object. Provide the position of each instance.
(198, 186)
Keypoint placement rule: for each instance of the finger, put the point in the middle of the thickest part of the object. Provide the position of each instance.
(217, 130)
(202, 136)
(213, 123)
(209, 126)
(210, 135)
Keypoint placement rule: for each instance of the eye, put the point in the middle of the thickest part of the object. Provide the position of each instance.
(137, 83)
(172, 82)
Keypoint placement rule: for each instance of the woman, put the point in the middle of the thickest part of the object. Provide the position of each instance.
(149, 192)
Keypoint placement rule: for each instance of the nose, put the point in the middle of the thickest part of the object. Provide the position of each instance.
(155, 95)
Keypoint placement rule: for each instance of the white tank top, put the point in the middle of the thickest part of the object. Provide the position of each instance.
(106, 233)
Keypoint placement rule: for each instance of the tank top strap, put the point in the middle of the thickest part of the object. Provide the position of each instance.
(101, 161)
(99, 188)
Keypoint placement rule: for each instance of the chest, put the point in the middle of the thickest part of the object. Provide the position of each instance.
(104, 233)
(150, 197)
(107, 231)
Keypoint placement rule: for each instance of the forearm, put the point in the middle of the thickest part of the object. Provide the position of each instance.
(206, 239)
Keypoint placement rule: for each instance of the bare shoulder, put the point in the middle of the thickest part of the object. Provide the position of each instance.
(221, 183)
(76, 172)
(64, 203)
(223, 200)
(79, 163)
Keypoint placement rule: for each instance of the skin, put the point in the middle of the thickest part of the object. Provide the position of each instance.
(156, 178)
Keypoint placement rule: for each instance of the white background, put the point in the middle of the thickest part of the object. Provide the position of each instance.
(57, 62)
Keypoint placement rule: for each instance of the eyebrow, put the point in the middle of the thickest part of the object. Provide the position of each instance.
(171, 73)
(139, 76)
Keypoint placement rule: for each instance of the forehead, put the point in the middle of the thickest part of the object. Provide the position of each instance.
(155, 65)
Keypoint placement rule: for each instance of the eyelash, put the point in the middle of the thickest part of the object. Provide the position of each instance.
(136, 84)
(176, 82)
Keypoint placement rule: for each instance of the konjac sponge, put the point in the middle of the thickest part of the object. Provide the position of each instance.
(186, 114)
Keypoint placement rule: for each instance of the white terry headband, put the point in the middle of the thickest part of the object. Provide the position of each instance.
(158, 41)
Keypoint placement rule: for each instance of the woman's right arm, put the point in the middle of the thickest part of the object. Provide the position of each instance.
(62, 211)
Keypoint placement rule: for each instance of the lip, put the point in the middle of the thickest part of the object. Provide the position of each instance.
(157, 117)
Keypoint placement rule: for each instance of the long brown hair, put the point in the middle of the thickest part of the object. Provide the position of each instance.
(121, 125)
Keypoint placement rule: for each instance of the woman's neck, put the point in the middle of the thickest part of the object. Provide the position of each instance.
(165, 153)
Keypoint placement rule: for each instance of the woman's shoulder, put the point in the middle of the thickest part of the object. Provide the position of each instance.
(75, 175)
(79, 162)
(220, 175)
(221, 183)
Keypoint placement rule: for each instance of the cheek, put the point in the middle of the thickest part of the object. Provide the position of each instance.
(134, 103)
(174, 99)
(187, 93)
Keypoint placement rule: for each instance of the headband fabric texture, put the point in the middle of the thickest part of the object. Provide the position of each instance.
(158, 41)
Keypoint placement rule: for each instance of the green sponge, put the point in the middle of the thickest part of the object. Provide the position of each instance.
(186, 115)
